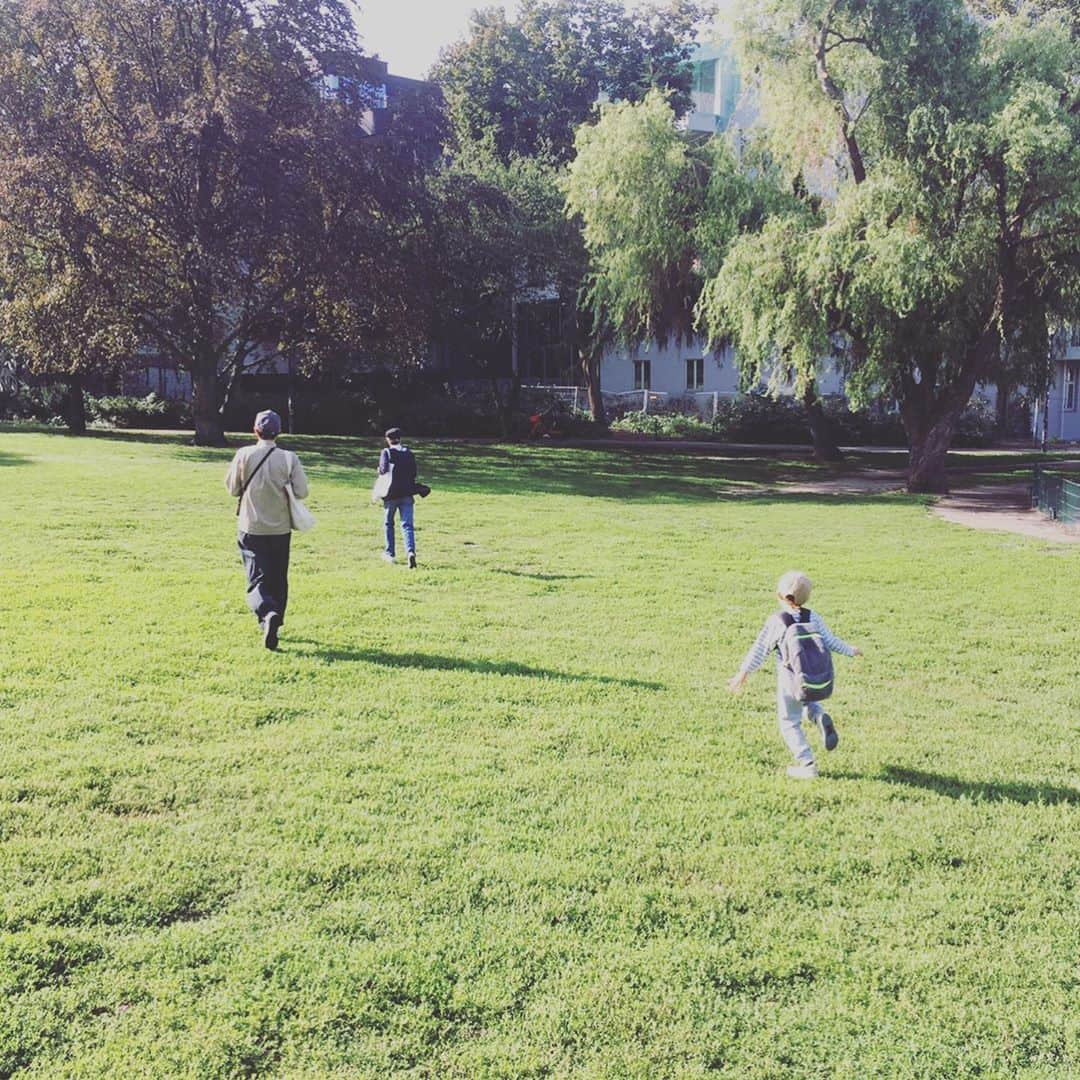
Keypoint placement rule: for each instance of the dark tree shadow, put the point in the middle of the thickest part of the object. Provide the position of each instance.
(976, 791)
(539, 576)
(431, 662)
(13, 459)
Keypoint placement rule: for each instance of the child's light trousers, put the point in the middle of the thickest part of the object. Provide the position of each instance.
(790, 713)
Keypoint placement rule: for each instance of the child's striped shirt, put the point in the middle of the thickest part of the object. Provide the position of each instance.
(773, 631)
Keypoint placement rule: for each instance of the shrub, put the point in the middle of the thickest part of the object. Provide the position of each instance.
(758, 418)
(865, 427)
(44, 404)
(663, 425)
(125, 411)
(977, 426)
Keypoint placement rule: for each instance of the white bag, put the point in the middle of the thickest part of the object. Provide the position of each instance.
(302, 518)
(381, 488)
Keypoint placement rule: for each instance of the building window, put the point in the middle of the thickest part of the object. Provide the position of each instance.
(374, 93)
(642, 374)
(695, 373)
(705, 77)
(1070, 388)
(1074, 338)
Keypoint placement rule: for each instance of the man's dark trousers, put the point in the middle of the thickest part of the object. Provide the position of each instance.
(266, 560)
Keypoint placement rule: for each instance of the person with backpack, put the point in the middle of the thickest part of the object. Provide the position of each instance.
(258, 478)
(804, 670)
(396, 485)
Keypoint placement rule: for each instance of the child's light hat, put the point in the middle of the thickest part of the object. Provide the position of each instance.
(795, 584)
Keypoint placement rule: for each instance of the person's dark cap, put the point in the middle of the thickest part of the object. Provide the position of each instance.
(268, 424)
(393, 434)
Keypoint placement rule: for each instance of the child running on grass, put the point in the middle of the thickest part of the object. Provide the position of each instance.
(793, 590)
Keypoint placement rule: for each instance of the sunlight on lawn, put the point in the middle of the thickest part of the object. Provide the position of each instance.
(499, 817)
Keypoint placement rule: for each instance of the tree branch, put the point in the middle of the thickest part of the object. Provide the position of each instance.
(836, 96)
(841, 40)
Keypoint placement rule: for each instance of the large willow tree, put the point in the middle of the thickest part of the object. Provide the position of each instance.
(925, 168)
(946, 152)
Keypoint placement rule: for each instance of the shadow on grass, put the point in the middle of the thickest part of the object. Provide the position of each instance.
(977, 791)
(624, 473)
(13, 459)
(541, 577)
(628, 474)
(635, 472)
(431, 662)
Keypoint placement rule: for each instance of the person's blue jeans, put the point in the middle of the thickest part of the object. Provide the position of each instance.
(405, 506)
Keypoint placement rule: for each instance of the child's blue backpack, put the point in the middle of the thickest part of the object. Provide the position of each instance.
(804, 655)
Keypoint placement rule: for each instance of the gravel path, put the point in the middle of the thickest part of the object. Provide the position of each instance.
(1003, 508)
(994, 507)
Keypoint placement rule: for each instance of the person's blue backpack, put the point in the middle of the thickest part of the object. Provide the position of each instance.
(805, 656)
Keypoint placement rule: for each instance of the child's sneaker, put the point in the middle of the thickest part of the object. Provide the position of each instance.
(828, 731)
(802, 772)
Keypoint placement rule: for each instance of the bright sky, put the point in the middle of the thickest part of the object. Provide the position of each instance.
(408, 34)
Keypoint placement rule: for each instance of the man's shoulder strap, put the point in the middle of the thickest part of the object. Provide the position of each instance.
(247, 482)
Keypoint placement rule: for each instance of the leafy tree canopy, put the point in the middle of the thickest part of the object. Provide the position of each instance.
(524, 84)
(933, 164)
(658, 211)
(176, 175)
(949, 223)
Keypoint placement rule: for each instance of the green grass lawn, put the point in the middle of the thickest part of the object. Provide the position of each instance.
(499, 817)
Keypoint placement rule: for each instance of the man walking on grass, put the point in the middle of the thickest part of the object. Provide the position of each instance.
(257, 477)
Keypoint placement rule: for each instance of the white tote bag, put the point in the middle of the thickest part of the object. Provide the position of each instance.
(381, 488)
(302, 518)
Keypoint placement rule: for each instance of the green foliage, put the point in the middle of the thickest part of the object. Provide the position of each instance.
(763, 418)
(666, 425)
(497, 817)
(499, 234)
(516, 89)
(180, 181)
(634, 186)
(947, 245)
(658, 212)
(911, 199)
(761, 298)
(522, 85)
(124, 411)
(44, 403)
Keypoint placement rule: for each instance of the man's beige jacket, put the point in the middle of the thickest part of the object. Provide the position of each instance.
(264, 510)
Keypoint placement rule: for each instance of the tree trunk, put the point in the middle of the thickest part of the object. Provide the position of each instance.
(590, 368)
(503, 408)
(825, 447)
(75, 406)
(206, 392)
(1001, 409)
(929, 447)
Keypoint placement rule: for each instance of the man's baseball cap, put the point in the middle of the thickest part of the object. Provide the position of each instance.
(268, 424)
(393, 433)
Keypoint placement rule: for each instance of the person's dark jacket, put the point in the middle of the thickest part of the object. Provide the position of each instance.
(403, 481)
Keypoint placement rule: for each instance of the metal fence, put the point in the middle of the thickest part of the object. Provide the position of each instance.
(1056, 495)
